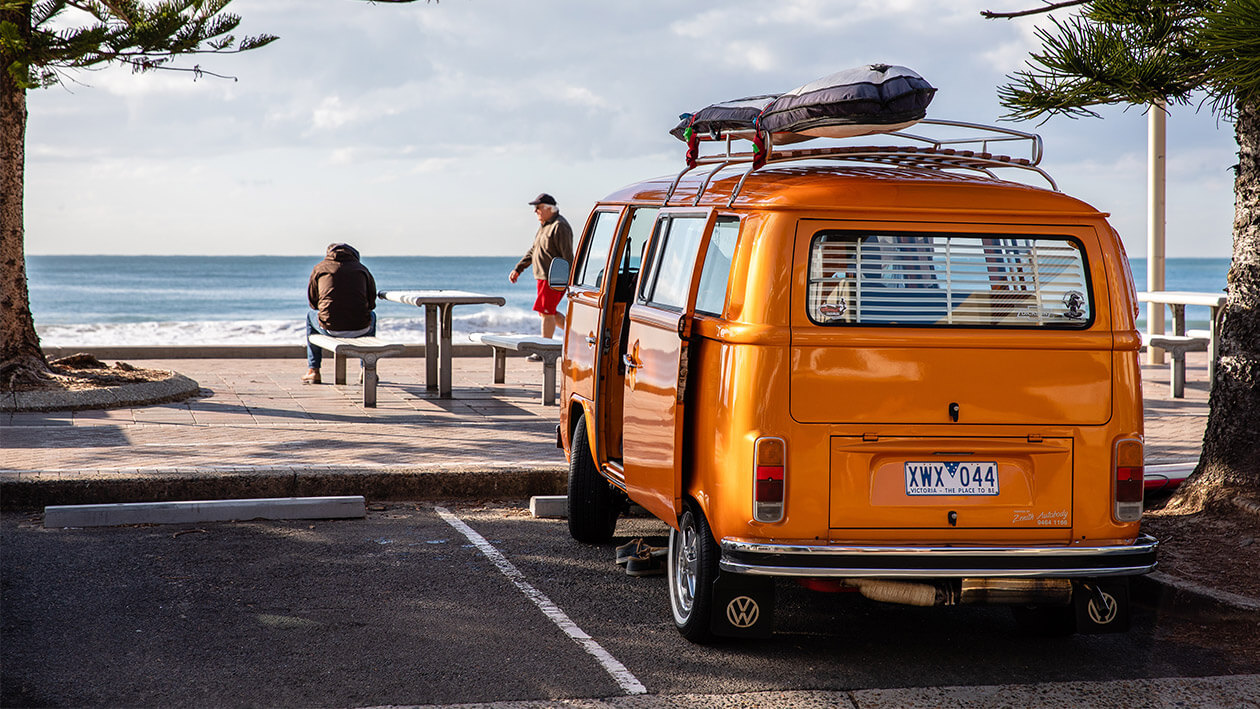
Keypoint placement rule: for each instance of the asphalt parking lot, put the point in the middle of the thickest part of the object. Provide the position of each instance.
(404, 608)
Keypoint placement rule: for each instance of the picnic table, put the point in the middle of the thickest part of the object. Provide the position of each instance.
(438, 306)
(1177, 302)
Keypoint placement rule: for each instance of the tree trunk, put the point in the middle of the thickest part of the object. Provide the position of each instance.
(21, 359)
(1230, 462)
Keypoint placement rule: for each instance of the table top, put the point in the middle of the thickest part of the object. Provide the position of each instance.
(1178, 297)
(440, 297)
(527, 340)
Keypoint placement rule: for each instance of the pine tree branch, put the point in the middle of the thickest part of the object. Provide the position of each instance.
(991, 15)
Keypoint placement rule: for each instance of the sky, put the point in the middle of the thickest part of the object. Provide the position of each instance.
(425, 129)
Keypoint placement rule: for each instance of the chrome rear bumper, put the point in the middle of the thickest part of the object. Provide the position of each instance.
(765, 559)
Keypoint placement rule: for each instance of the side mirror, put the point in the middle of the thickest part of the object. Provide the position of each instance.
(558, 274)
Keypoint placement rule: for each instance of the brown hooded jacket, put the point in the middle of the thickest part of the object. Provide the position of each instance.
(342, 290)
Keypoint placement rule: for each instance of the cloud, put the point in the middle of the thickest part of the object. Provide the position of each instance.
(331, 113)
(453, 114)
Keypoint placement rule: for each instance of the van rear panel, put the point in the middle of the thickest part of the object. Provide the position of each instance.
(947, 379)
(959, 355)
(951, 483)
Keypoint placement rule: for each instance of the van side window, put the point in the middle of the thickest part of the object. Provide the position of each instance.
(959, 280)
(590, 270)
(641, 222)
(717, 266)
(630, 255)
(668, 280)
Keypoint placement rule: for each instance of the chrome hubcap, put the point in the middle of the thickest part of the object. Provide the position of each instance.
(685, 568)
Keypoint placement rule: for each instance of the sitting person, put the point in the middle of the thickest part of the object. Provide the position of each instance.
(342, 296)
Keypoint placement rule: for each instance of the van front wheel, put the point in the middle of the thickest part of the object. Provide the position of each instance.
(592, 503)
(691, 569)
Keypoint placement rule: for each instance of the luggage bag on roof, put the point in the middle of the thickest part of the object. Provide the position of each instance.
(877, 98)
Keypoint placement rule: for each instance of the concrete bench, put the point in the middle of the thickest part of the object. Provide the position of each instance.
(549, 350)
(367, 349)
(1176, 346)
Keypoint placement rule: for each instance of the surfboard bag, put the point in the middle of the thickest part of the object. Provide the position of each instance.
(737, 114)
(877, 98)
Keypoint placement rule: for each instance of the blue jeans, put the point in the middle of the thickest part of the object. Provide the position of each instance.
(315, 355)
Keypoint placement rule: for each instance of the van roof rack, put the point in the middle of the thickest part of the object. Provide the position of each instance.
(933, 153)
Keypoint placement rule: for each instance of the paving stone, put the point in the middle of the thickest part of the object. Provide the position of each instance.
(262, 433)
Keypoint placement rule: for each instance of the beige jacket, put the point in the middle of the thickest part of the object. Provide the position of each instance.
(553, 240)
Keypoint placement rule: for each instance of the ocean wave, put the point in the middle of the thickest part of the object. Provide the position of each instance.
(513, 321)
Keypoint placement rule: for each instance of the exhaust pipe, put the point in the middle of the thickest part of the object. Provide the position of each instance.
(1015, 592)
(1000, 591)
(907, 594)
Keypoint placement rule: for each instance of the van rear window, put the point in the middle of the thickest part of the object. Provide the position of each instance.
(958, 280)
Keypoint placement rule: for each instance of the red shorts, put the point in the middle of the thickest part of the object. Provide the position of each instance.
(547, 299)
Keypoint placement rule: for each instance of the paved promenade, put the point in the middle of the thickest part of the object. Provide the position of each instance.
(256, 430)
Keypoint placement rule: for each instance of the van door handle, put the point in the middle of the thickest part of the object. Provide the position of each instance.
(590, 339)
(631, 358)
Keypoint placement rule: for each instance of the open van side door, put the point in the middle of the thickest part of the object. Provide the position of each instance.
(590, 292)
(656, 359)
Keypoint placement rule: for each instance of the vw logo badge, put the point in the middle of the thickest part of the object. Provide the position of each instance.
(742, 612)
(1102, 616)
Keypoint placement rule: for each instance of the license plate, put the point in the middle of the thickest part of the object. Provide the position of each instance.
(949, 477)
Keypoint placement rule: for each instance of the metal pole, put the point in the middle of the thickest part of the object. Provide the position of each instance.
(1155, 193)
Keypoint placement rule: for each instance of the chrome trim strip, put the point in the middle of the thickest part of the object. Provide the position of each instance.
(1144, 544)
(925, 572)
(767, 559)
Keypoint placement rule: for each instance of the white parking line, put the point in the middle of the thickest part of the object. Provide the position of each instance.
(620, 674)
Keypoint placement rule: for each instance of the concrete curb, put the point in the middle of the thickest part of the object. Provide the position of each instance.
(173, 388)
(1165, 590)
(192, 511)
(36, 490)
(103, 352)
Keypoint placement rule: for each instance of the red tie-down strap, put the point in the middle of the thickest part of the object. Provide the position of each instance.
(693, 145)
(759, 144)
(759, 149)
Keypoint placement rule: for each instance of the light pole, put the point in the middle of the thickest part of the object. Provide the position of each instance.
(1156, 179)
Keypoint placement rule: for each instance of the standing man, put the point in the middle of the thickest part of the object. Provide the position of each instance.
(342, 296)
(553, 240)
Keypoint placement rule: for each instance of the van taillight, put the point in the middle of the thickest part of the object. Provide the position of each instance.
(770, 457)
(1129, 468)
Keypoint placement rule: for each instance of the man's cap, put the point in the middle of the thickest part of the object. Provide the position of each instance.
(544, 198)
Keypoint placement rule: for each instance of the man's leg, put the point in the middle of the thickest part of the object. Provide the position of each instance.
(548, 325)
(314, 355)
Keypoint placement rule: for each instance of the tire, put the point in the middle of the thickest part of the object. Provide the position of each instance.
(691, 569)
(592, 502)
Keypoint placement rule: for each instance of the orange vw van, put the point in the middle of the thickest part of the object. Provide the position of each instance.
(889, 369)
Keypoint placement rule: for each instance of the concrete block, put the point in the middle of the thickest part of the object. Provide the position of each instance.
(204, 511)
(557, 507)
(549, 506)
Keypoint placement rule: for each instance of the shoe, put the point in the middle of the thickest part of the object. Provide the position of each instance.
(626, 551)
(311, 377)
(535, 357)
(635, 547)
(646, 563)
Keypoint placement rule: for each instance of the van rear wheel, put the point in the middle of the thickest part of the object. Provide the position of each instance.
(690, 571)
(592, 502)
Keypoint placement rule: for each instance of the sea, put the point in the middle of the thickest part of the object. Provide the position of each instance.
(84, 301)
